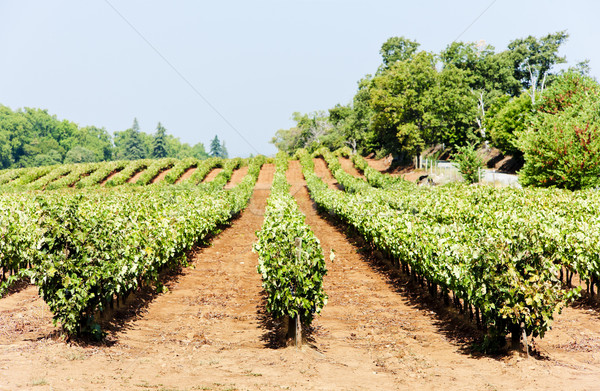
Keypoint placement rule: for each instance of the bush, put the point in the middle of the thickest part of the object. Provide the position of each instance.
(561, 147)
(509, 121)
(468, 162)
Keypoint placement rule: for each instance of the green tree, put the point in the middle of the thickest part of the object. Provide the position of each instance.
(469, 163)
(80, 155)
(215, 147)
(400, 99)
(159, 150)
(131, 144)
(561, 147)
(397, 49)
(534, 58)
(511, 117)
(224, 152)
(199, 152)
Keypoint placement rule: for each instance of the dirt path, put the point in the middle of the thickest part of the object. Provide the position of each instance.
(211, 175)
(424, 342)
(161, 176)
(236, 177)
(348, 166)
(110, 176)
(187, 174)
(381, 165)
(323, 172)
(136, 176)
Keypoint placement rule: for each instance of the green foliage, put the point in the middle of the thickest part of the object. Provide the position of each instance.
(534, 58)
(469, 163)
(218, 149)
(291, 261)
(312, 131)
(494, 250)
(80, 155)
(203, 169)
(419, 99)
(180, 168)
(562, 145)
(511, 118)
(103, 171)
(154, 169)
(159, 150)
(129, 171)
(397, 49)
(89, 248)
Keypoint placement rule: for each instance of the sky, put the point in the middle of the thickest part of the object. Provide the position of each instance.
(239, 69)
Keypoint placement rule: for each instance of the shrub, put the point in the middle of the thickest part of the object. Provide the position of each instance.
(468, 162)
(561, 147)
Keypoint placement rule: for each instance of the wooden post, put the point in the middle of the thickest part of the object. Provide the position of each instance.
(298, 331)
(525, 344)
(297, 318)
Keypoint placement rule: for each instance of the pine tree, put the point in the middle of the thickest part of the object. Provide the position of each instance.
(159, 150)
(135, 126)
(224, 153)
(215, 147)
(134, 147)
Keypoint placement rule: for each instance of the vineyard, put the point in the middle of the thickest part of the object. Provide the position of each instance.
(391, 284)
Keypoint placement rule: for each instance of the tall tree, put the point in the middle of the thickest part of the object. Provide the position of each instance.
(397, 49)
(131, 144)
(400, 98)
(534, 58)
(159, 150)
(224, 152)
(215, 147)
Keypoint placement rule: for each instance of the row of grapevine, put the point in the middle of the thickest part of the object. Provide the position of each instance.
(291, 260)
(225, 175)
(203, 170)
(89, 248)
(180, 168)
(499, 272)
(104, 171)
(154, 169)
(566, 224)
(84, 175)
(132, 168)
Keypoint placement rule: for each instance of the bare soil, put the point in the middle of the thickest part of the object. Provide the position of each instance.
(186, 175)
(109, 177)
(161, 176)
(211, 175)
(136, 176)
(349, 167)
(210, 332)
(408, 173)
(236, 177)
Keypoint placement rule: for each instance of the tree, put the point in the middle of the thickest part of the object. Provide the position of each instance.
(490, 75)
(397, 49)
(400, 101)
(159, 150)
(215, 147)
(199, 152)
(224, 153)
(561, 147)
(510, 118)
(80, 155)
(312, 131)
(131, 144)
(534, 58)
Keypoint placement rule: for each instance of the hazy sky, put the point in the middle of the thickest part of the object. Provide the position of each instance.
(255, 62)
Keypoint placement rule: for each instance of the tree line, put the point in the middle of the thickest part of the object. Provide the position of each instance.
(33, 137)
(468, 94)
